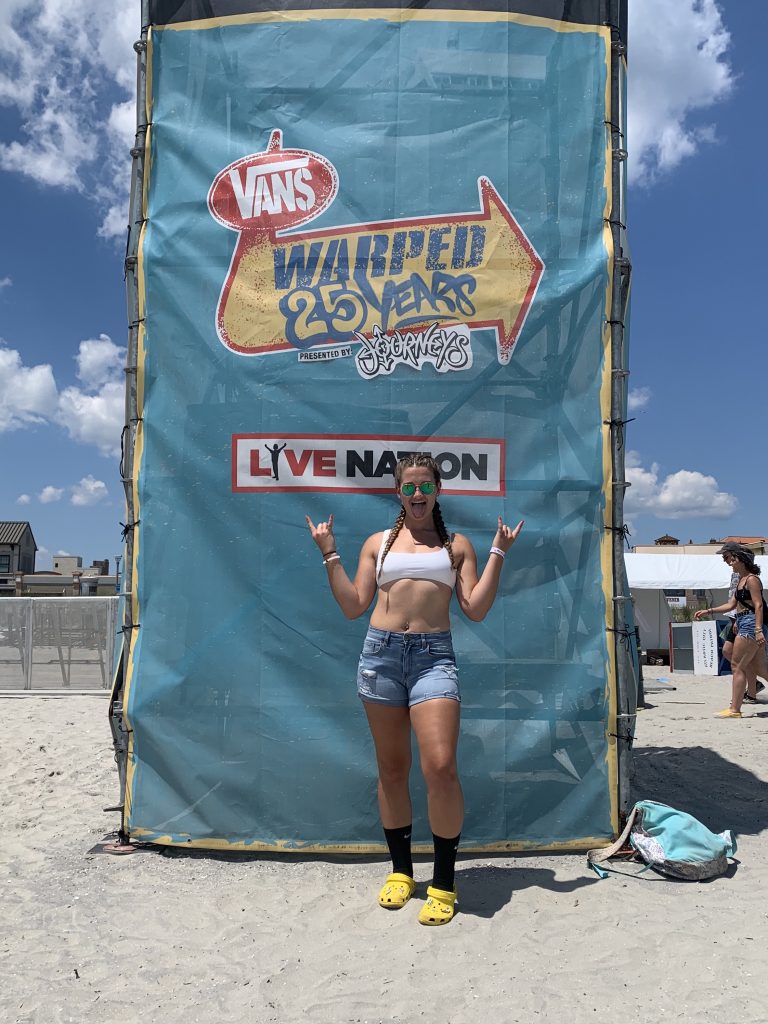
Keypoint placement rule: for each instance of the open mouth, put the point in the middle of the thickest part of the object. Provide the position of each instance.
(418, 507)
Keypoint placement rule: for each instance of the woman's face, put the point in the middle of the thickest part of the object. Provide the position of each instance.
(418, 506)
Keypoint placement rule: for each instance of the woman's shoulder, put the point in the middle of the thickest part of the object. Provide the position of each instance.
(375, 540)
(461, 543)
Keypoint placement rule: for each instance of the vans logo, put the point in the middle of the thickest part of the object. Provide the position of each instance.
(274, 190)
(361, 464)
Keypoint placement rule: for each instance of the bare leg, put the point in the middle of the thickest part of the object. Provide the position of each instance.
(744, 652)
(436, 724)
(391, 731)
(750, 670)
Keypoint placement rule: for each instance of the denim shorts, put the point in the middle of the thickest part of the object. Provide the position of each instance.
(403, 669)
(745, 626)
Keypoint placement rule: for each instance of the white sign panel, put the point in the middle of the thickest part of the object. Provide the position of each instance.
(705, 648)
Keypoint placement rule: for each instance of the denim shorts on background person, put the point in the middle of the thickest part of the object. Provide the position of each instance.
(403, 669)
(745, 626)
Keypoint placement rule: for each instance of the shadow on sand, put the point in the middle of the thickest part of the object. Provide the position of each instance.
(720, 793)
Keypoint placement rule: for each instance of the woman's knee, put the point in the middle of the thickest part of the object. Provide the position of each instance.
(394, 771)
(440, 771)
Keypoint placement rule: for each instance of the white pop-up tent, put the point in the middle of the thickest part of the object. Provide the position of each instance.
(650, 575)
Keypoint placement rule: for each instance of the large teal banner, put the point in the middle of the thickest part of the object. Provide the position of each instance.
(369, 230)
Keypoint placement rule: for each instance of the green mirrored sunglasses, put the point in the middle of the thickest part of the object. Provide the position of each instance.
(410, 489)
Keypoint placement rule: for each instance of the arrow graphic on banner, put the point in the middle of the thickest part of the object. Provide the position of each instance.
(325, 286)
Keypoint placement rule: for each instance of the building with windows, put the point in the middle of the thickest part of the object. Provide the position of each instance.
(668, 545)
(17, 554)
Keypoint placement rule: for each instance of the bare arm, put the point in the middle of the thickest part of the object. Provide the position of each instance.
(756, 593)
(352, 596)
(476, 595)
(729, 605)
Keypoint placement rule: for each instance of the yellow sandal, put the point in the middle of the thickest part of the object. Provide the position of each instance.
(439, 908)
(396, 891)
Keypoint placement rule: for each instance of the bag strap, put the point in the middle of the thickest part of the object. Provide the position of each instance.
(603, 853)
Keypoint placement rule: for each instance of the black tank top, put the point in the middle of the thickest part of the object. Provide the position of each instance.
(744, 597)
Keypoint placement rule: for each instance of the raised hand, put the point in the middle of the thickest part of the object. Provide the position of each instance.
(506, 535)
(322, 534)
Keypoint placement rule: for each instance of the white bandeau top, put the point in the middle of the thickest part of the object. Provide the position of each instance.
(431, 565)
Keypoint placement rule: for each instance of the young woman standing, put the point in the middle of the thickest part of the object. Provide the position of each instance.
(407, 677)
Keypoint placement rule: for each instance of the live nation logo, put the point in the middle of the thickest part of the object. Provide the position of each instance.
(360, 463)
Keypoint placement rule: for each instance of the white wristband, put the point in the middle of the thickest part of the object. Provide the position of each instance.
(496, 551)
(331, 558)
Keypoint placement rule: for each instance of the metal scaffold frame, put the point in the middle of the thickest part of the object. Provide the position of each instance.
(623, 633)
(136, 222)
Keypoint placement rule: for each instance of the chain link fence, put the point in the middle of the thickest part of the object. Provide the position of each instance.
(57, 643)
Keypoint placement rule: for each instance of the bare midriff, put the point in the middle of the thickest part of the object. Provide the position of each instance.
(413, 606)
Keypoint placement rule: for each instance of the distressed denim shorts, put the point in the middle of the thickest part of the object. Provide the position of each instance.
(745, 626)
(403, 669)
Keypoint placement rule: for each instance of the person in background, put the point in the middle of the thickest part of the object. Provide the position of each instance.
(751, 631)
(728, 634)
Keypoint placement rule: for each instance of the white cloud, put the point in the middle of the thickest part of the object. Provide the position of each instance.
(58, 143)
(64, 554)
(49, 494)
(99, 361)
(95, 413)
(23, 499)
(89, 491)
(686, 494)
(70, 71)
(94, 419)
(678, 66)
(28, 393)
(5, 282)
(638, 398)
(91, 414)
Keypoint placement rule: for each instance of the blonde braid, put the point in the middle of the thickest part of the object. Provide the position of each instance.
(445, 538)
(391, 538)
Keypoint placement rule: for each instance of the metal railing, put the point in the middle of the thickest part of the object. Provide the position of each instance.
(57, 643)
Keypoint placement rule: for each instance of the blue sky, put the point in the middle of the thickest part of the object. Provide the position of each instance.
(696, 216)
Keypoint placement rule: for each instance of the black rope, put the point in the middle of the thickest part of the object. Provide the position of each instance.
(611, 323)
(122, 450)
(135, 323)
(133, 625)
(128, 527)
(628, 737)
(621, 224)
(619, 425)
(623, 634)
(623, 530)
(614, 127)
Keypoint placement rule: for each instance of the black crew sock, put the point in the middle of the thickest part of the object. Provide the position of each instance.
(445, 862)
(399, 843)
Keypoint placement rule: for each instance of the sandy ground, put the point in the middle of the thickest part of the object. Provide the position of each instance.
(176, 936)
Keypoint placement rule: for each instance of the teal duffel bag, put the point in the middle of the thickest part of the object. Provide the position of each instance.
(671, 842)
